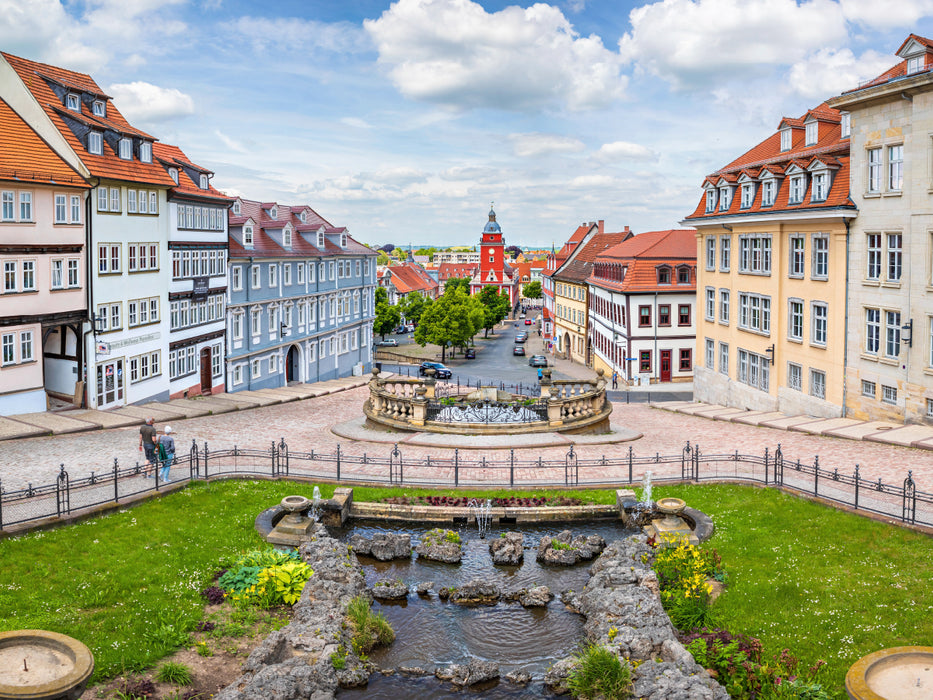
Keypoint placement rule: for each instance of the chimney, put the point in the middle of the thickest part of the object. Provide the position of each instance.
(600, 225)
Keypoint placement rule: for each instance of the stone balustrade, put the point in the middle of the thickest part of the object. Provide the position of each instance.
(572, 406)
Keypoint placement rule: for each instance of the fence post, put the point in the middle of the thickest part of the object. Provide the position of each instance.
(1, 505)
(696, 463)
(273, 458)
(766, 466)
(193, 458)
(206, 474)
(686, 454)
(512, 467)
(571, 472)
(779, 466)
(116, 489)
(395, 465)
(630, 464)
(338, 461)
(856, 486)
(816, 474)
(909, 505)
(457, 466)
(283, 449)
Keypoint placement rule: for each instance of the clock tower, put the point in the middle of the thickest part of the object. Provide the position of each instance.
(492, 253)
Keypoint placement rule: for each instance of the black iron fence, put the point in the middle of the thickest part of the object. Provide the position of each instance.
(114, 484)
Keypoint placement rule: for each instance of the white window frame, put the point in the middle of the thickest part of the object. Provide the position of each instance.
(811, 133)
(126, 148)
(794, 376)
(796, 250)
(819, 323)
(795, 320)
(819, 256)
(874, 247)
(724, 358)
(873, 160)
(889, 394)
(711, 253)
(894, 270)
(895, 154)
(724, 306)
(786, 140)
(73, 102)
(748, 195)
(817, 383)
(95, 143)
(25, 206)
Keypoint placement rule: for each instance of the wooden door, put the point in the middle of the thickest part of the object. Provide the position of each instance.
(206, 371)
(665, 365)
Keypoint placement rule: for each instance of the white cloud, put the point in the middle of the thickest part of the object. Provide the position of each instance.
(148, 103)
(697, 43)
(230, 143)
(623, 150)
(536, 144)
(356, 122)
(42, 30)
(877, 15)
(293, 34)
(454, 53)
(829, 71)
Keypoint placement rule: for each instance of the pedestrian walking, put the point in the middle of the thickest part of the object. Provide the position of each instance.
(147, 446)
(166, 452)
(615, 379)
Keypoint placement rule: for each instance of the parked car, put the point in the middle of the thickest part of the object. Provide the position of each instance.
(470, 354)
(537, 361)
(440, 371)
(518, 350)
(392, 342)
(528, 322)
(521, 337)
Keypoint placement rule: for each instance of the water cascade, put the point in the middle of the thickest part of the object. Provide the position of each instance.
(482, 513)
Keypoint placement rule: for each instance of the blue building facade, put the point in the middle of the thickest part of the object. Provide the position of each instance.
(300, 299)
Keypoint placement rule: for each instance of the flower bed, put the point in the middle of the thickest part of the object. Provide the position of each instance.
(509, 502)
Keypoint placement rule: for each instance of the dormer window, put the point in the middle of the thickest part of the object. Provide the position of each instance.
(97, 108)
(748, 194)
(303, 216)
(812, 132)
(797, 187)
(664, 275)
(343, 240)
(203, 182)
(287, 237)
(248, 235)
(126, 149)
(768, 191)
(274, 212)
(320, 239)
(710, 200)
(786, 140)
(236, 208)
(95, 143)
(845, 125)
(145, 154)
(683, 275)
(725, 198)
(173, 173)
(73, 102)
(914, 64)
(820, 187)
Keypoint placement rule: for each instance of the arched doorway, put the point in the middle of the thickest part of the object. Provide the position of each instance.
(567, 346)
(292, 365)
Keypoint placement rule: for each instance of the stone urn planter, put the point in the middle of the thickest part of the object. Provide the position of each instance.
(898, 673)
(42, 665)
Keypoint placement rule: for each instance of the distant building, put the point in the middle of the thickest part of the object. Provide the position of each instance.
(457, 257)
(457, 271)
(300, 305)
(401, 280)
(493, 270)
(554, 260)
(642, 294)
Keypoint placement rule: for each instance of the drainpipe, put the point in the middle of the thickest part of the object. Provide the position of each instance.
(845, 334)
(88, 287)
(654, 321)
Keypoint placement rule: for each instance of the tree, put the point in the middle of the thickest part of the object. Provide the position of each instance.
(451, 320)
(412, 305)
(457, 282)
(387, 248)
(532, 290)
(427, 251)
(495, 306)
(514, 251)
(387, 316)
(382, 258)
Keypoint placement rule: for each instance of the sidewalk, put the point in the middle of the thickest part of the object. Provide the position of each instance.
(886, 433)
(80, 420)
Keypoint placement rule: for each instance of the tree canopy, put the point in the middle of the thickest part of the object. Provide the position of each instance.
(457, 282)
(412, 305)
(532, 290)
(450, 321)
(387, 316)
(495, 306)
(514, 251)
(387, 248)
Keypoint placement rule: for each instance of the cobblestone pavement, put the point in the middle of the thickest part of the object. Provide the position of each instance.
(305, 426)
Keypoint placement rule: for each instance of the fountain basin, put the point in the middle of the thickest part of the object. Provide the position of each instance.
(898, 673)
(43, 665)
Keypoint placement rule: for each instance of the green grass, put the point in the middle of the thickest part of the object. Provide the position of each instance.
(174, 673)
(823, 583)
(599, 673)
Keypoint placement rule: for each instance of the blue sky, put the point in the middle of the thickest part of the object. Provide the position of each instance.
(405, 120)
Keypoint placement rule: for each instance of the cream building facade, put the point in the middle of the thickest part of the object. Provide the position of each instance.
(890, 336)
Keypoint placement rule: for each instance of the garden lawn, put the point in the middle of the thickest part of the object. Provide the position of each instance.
(823, 583)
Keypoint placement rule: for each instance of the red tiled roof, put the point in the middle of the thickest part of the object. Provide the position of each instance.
(174, 157)
(25, 157)
(643, 254)
(578, 268)
(35, 77)
(266, 245)
(448, 270)
(899, 70)
(410, 277)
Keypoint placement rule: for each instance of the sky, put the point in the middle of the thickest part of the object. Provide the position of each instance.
(404, 120)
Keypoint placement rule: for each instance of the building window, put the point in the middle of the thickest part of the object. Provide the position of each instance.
(61, 209)
(872, 331)
(9, 276)
(8, 206)
(254, 272)
(767, 192)
(236, 278)
(710, 200)
(73, 273)
(664, 315)
(95, 143)
(873, 271)
(273, 275)
(287, 274)
(820, 264)
(29, 276)
(819, 313)
(811, 130)
(892, 334)
(755, 313)
(683, 315)
(748, 195)
(664, 275)
(710, 304)
(754, 370)
(894, 257)
(794, 376)
(126, 149)
(256, 369)
(287, 237)
(795, 322)
(755, 254)
(237, 375)
(710, 354)
(711, 252)
(683, 275)
(725, 198)
(58, 274)
(895, 167)
(73, 102)
(108, 258)
(25, 206)
(796, 256)
(131, 201)
(725, 246)
(248, 235)
(820, 187)
(817, 384)
(145, 155)
(786, 135)
(25, 347)
(914, 64)
(797, 188)
(889, 394)
(724, 306)
(203, 183)
(929, 408)
(845, 125)
(644, 316)
(115, 199)
(9, 353)
(724, 359)
(868, 389)
(255, 322)
(644, 361)
(874, 170)
(686, 359)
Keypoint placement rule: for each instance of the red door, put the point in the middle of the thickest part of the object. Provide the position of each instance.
(665, 365)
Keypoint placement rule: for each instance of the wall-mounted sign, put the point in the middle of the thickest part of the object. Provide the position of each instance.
(200, 287)
(103, 348)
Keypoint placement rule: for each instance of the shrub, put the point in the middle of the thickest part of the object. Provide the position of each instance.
(276, 585)
(683, 572)
(215, 595)
(599, 673)
(173, 672)
(369, 629)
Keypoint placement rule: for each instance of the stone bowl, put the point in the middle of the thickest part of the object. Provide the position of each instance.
(670, 506)
(295, 504)
(57, 667)
(898, 673)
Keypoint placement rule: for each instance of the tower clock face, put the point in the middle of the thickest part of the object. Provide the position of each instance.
(491, 251)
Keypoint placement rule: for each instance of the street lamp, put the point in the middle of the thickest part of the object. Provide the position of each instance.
(909, 327)
(770, 351)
